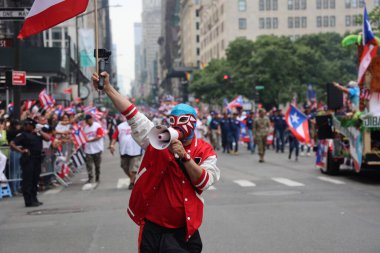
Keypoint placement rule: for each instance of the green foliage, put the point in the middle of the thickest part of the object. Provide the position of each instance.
(284, 67)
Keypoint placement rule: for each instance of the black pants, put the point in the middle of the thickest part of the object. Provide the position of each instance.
(157, 239)
(31, 170)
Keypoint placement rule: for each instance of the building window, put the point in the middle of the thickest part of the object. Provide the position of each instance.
(303, 4)
(267, 4)
(297, 22)
(275, 23)
(354, 3)
(197, 25)
(354, 20)
(377, 3)
(296, 4)
(56, 33)
(319, 21)
(261, 5)
(348, 20)
(275, 5)
(268, 23)
(261, 23)
(325, 4)
(304, 22)
(319, 4)
(197, 39)
(332, 21)
(242, 5)
(290, 5)
(242, 23)
(221, 9)
(332, 4)
(290, 22)
(198, 51)
(348, 4)
(197, 12)
(361, 3)
(325, 21)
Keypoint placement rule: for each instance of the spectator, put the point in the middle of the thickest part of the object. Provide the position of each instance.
(130, 151)
(15, 170)
(93, 148)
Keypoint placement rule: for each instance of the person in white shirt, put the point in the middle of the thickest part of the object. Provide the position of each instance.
(130, 151)
(94, 147)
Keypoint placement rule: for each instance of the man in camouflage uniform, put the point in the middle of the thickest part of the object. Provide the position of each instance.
(261, 128)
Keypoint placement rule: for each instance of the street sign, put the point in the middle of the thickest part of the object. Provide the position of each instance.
(6, 43)
(19, 78)
(259, 87)
(14, 13)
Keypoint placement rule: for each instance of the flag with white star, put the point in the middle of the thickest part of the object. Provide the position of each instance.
(298, 124)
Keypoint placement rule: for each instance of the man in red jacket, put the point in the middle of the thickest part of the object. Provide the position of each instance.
(166, 199)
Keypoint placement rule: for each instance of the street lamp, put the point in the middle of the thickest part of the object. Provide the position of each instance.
(77, 37)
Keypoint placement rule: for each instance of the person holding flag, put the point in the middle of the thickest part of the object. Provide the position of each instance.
(353, 92)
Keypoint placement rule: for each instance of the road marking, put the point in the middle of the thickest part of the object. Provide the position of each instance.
(212, 188)
(54, 191)
(244, 183)
(123, 183)
(287, 182)
(330, 180)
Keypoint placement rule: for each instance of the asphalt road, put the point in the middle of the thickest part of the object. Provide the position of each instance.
(280, 206)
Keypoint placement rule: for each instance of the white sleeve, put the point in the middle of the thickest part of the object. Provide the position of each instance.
(211, 176)
(141, 126)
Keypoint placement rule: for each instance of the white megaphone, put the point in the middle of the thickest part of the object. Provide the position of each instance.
(161, 136)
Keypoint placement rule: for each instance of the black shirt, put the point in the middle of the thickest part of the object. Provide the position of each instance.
(249, 122)
(12, 133)
(30, 141)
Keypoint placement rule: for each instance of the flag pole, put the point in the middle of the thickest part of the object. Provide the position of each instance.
(96, 35)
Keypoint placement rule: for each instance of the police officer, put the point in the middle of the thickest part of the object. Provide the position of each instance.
(29, 144)
(225, 126)
(236, 129)
(279, 130)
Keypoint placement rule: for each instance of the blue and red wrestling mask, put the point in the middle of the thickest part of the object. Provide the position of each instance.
(184, 118)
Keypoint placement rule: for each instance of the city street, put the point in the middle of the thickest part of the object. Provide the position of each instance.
(280, 206)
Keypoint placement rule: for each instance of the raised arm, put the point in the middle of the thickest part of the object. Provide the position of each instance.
(139, 123)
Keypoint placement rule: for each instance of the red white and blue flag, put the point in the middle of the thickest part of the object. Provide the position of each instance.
(10, 107)
(29, 104)
(370, 46)
(78, 136)
(45, 14)
(69, 110)
(59, 110)
(298, 124)
(46, 100)
(236, 102)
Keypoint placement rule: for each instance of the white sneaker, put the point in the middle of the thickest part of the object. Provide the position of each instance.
(308, 154)
(302, 154)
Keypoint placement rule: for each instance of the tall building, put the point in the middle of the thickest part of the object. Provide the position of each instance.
(189, 36)
(151, 31)
(222, 21)
(139, 61)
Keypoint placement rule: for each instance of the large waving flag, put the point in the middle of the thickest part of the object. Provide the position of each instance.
(45, 14)
(370, 46)
(236, 102)
(298, 124)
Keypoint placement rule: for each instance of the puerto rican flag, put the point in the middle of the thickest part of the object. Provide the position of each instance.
(10, 107)
(236, 102)
(370, 46)
(59, 110)
(45, 14)
(89, 110)
(29, 104)
(298, 124)
(69, 110)
(46, 100)
(78, 136)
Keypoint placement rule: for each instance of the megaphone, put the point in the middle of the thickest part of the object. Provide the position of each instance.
(161, 136)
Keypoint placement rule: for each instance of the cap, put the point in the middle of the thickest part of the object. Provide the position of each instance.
(352, 84)
(30, 121)
(88, 116)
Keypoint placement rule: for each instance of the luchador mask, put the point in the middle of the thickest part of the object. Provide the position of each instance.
(183, 118)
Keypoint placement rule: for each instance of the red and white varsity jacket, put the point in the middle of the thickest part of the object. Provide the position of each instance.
(154, 167)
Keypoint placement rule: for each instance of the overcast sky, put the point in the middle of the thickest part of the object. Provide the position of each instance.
(122, 19)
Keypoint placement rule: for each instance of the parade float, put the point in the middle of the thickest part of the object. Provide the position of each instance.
(352, 137)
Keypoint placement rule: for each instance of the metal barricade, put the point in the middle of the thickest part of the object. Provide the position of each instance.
(53, 163)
